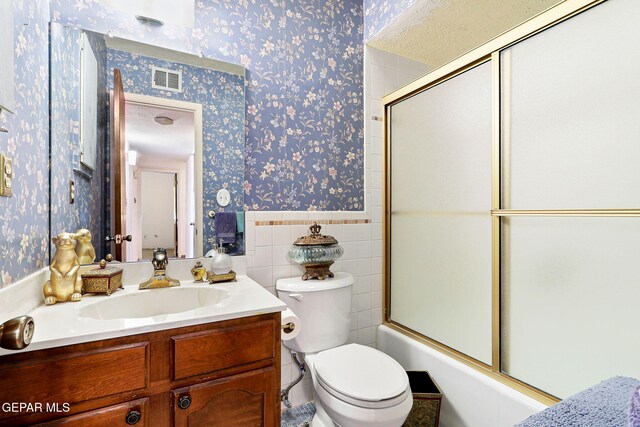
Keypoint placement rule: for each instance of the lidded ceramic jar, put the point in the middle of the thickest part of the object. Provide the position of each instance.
(316, 252)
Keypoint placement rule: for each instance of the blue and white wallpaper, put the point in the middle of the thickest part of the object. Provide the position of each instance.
(24, 218)
(304, 104)
(223, 109)
(379, 13)
(304, 87)
(88, 209)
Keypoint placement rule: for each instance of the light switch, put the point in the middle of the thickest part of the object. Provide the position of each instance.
(6, 176)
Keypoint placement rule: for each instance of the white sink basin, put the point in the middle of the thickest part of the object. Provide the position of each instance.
(153, 302)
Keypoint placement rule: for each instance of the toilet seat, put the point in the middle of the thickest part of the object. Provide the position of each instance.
(361, 376)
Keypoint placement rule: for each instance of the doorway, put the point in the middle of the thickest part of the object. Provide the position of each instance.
(162, 178)
(159, 212)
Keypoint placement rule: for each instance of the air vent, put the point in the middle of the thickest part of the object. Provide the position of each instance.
(166, 79)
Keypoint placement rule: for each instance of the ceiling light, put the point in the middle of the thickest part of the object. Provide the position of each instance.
(165, 121)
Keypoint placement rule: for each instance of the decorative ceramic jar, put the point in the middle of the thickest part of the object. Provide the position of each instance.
(316, 253)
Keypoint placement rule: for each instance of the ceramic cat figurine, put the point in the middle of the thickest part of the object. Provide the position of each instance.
(65, 283)
(84, 249)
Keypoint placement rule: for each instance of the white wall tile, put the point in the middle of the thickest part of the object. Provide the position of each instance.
(350, 250)
(349, 233)
(350, 267)
(364, 301)
(376, 299)
(263, 256)
(364, 319)
(281, 235)
(376, 197)
(263, 275)
(250, 235)
(376, 265)
(364, 267)
(282, 272)
(364, 249)
(365, 336)
(263, 236)
(364, 284)
(377, 248)
(281, 255)
(377, 232)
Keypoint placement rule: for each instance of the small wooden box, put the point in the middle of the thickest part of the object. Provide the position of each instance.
(427, 399)
(101, 280)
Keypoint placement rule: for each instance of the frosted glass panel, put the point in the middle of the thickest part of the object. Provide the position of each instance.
(570, 296)
(441, 280)
(570, 113)
(441, 146)
(440, 220)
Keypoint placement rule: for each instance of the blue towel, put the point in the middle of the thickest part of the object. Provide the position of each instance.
(240, 221)
(603, 405)
(225, 227)
(634, 411)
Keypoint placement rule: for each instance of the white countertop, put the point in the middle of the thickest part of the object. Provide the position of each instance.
(62, 324)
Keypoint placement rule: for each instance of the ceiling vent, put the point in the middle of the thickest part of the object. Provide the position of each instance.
(166, 79)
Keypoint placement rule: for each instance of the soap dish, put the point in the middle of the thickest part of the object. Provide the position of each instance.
(218, 278)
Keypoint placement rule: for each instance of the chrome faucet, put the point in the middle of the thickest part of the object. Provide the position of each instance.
(159, 279)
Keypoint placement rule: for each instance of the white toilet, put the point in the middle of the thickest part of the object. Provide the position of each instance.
(354, 385)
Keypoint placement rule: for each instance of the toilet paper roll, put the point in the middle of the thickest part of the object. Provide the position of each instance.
(290, 325)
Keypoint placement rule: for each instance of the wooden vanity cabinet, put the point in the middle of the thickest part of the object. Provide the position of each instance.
(224, 373)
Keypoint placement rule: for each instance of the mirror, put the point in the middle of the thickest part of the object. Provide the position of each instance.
(183, 138)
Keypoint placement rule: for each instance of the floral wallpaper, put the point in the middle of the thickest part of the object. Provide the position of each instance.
(222, 97)
(304, 89)
(24, 227)
(88, 209)
(379, 13)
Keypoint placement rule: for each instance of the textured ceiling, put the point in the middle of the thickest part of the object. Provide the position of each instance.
(435, 32)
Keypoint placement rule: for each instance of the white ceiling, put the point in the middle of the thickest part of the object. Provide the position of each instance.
(435, 32)
(150, 138)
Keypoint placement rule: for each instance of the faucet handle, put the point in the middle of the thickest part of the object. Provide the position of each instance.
(16, 334)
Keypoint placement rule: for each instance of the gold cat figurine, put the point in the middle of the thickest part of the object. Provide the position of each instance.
(65, 283)
(84, 249)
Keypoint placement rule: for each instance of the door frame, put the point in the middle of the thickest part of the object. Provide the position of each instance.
(196, 109)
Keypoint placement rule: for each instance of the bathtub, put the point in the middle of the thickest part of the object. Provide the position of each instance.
(470, 398)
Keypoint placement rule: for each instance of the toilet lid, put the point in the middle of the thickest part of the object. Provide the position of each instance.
(361, 373)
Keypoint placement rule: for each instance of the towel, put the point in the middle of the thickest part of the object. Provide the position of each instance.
(225, 227)
(603, 405)
(634, 411)
(240, 221)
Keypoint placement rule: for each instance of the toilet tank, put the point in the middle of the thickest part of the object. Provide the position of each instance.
(324, 309)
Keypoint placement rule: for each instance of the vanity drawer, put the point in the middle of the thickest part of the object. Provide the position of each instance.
(209, 351)
(75, 377)
(135, 413)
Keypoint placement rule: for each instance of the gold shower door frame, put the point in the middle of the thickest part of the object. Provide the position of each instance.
(489, 51)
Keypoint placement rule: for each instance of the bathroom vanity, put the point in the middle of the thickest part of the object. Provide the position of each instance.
(210, 361)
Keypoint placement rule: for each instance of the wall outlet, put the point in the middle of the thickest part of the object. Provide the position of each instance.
(6, 176)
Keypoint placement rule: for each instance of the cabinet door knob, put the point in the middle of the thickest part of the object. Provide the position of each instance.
(133, 417)
(184, 402)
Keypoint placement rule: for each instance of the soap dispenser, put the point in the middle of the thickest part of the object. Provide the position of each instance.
(213, 252)
(221, 263)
